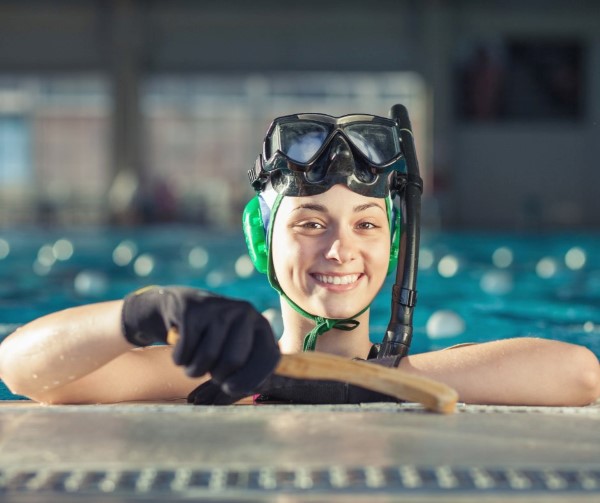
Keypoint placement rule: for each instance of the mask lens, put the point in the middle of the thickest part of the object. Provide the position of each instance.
(365, 175)
(378, 143)
(300, 141)
(317, 173)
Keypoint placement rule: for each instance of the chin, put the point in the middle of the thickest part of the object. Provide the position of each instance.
(338, 312)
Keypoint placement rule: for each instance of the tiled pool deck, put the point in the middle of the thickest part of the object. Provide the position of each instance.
(375, 452)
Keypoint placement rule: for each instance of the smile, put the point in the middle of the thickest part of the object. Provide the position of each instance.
(347, 279)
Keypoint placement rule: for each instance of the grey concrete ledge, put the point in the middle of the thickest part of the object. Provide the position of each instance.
(370, 452)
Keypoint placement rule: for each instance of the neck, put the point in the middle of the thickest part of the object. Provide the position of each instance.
(350, 344)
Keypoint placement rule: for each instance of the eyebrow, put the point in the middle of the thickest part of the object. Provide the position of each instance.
(366, 206)
(322, 209)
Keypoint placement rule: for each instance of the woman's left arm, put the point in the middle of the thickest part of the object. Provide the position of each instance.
(521, 371)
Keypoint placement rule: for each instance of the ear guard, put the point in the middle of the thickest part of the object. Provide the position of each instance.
(256, 239)
(255, 235)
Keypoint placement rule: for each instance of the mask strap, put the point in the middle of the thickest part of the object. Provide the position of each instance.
(323, 325)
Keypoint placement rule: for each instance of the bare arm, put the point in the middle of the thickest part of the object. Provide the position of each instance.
(80, 355)
(522, 371)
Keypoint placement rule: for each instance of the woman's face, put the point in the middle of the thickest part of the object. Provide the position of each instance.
(331, 251)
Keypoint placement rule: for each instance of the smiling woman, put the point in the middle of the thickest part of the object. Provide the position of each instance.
(325, 238)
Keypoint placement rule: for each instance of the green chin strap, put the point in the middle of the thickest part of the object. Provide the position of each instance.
(322, 324)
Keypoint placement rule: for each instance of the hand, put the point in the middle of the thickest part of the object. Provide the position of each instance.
(308, 391)
(223, 336)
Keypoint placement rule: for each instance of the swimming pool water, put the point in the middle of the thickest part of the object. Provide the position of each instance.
(472, 286)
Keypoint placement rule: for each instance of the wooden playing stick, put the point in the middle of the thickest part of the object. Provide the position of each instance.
(433, 395)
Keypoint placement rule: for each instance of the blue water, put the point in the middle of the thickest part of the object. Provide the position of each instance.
(472, 286)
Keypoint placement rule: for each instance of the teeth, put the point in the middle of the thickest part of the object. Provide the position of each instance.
(337, 280)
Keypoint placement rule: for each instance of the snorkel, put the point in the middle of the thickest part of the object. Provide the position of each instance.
(306, 154)
(398, 335)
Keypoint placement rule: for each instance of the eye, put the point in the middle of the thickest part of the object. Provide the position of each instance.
(312, 225)
(367, 225)
(309, 225)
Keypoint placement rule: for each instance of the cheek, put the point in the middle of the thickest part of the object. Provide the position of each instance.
(379, 255)
(277, 245)
(288, 255)
(278, 257)
(284, 251)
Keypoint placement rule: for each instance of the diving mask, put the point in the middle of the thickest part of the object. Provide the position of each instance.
(307, 154)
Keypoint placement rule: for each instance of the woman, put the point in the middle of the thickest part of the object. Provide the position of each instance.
(320, 228)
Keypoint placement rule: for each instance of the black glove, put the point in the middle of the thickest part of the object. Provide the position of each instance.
(223, 336)
(308, 391)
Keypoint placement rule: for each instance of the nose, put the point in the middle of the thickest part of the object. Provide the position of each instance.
(340, 247)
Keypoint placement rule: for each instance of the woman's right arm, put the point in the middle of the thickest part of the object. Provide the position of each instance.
(80, 355)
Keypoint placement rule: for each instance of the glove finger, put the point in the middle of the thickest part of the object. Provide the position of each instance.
(185, 318)
(204, 394)
(182, 350)
(210, 346)
(237, 348)
(210, 393)
(190, 337)
(195, 318)
(206, 326)
(260, 364)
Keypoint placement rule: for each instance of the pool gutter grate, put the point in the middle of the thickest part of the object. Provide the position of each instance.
(336, 479)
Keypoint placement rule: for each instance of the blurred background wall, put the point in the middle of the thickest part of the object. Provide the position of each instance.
(140, 111)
